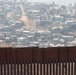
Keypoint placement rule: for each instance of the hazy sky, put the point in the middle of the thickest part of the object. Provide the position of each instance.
(65, 2)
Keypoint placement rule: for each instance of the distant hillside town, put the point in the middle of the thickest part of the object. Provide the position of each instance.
(34, 24)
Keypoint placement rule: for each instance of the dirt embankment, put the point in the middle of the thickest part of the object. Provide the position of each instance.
(24, 17)
(29, 24)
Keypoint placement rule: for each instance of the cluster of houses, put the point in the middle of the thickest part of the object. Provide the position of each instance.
(55, 25)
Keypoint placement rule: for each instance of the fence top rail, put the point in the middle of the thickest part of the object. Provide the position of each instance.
(38, 47)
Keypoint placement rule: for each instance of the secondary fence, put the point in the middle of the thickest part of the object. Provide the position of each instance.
(38, 61)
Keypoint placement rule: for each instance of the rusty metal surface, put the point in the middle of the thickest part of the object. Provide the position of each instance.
(24, 54)
(11, 55)
(3, 54)
(50, 54)
(38, 54)
(63, 54)
(72, 53)
(38, 61)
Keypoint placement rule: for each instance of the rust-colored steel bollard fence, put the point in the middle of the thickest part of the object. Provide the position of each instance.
(38, 61)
